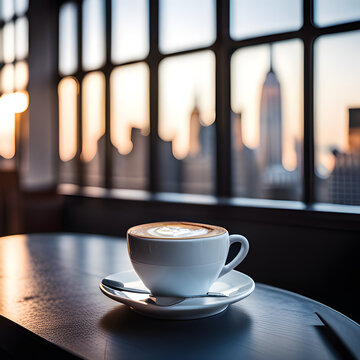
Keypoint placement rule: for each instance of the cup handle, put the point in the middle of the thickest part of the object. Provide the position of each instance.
(239, 257)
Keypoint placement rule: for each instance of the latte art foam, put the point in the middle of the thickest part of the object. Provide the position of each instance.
(176, 231)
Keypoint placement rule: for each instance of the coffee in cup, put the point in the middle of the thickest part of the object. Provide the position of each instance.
(182, 258)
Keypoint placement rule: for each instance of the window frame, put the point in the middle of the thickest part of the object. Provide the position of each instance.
(21, 119)
(223, 48)
(13, 20)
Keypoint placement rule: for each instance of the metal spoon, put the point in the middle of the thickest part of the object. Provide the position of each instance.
(118, 285)
(156, 300)
(173, 300)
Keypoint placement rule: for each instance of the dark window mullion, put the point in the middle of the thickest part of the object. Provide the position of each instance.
(153, 62)
(56, 84)
(107, 72)
(264, 39)
(2, 64)
(308, 146)
(80, 167)
(337, 28)
(222, 88)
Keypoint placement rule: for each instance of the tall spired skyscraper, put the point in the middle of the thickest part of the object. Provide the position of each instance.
(270, 150)
(275, 181)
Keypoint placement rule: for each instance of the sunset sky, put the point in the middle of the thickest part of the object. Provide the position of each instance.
(249, 67)
(337, 88)
(181, 79)
(129, 104)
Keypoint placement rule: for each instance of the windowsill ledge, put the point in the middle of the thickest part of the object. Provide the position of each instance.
(142, 195)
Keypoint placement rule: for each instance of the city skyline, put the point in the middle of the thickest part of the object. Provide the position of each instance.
(336, 89)
(184, 77)
(260, 172)
(249, 67)
(251, 138)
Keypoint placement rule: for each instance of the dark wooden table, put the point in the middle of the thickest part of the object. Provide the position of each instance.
(51, 306)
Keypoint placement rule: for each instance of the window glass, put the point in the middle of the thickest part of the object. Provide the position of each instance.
(186, 123)
(186, 24)
(21, 75)
(7, 9)
(7, 128)
(68, 103)
(267, 120)
(9, 42)
(337, 118)
(331, 12)
(93, 127)
(93, 34)
(130, 125)
(1, 47)
(130, 30)
(68, 52)
(7, 78)
(68, 91)
(262, 17)
(21, 6)
(21, 38)
(13, 82)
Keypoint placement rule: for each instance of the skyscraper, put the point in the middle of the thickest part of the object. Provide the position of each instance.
(245, 172)
(354, 130)
(344, 181)
(275, 181)
(130, 171)
(198, 168)
(270, 149)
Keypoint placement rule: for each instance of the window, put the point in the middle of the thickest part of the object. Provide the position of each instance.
(130, 125)
(179, 24)
(186, 123)
(106, 83)
(261, 17)
(14, 76)
(211, 97)
(267, 120)
(337, 118)
(331, 12)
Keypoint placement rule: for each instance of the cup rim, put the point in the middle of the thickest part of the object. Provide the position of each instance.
(222, 230)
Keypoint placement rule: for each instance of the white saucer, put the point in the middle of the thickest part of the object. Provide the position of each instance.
(235, 283)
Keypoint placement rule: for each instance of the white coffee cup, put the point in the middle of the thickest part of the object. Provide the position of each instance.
(182, 258)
